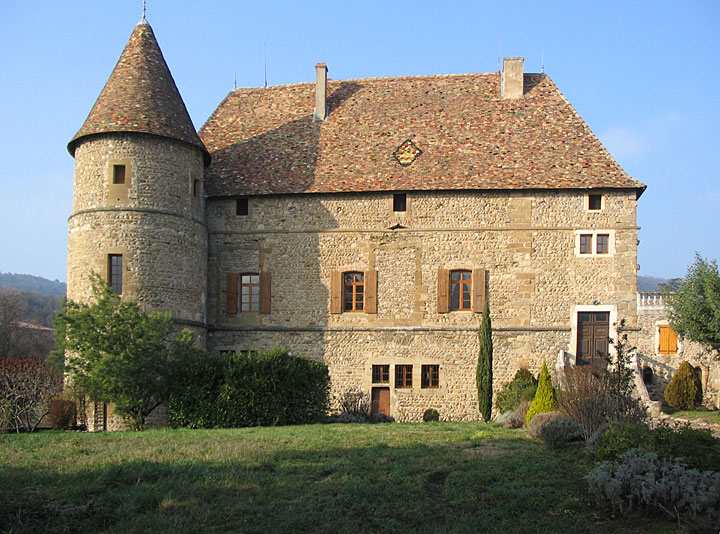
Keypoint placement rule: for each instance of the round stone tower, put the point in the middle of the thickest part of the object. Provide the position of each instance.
(138, 209)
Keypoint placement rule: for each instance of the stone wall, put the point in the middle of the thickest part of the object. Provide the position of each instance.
(651, 314)
(526, 241)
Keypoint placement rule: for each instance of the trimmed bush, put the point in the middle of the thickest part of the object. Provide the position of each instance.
(431, 414)
(545, 397)
(559, 432)
(640, 481)
(247, 389)
(682, 391)
(521, 388)
(511, 420)
(538, 422)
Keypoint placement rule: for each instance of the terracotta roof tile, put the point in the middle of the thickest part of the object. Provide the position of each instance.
(263, 141)
(140, 96)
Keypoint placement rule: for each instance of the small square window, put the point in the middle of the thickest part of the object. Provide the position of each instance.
(602, 243)
(381, 374)
(430, 376)
(241, 206)
(403, 376)
(399, 202)
(595, 202)
(586, 244)
(118, 174)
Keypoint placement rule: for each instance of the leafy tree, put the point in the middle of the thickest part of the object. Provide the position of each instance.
(545, 396)
(117, 353)
(484, 365)
(693, 305)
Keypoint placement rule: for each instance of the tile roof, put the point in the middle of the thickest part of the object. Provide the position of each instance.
(263, 141)
(140, 96)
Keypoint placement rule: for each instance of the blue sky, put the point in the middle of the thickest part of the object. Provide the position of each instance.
(643, 75)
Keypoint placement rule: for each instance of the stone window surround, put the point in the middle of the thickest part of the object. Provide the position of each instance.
(119, 193)
(416, 388)
(656, 340)
(594, 233)
(121, 251)
(586, 201)
(578, 308)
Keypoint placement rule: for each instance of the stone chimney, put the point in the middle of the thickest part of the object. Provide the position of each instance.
(512, 78)
(320, 92)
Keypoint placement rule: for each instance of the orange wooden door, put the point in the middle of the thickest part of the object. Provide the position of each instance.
(381, 400)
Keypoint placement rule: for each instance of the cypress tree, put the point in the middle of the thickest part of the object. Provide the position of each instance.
(484, 365)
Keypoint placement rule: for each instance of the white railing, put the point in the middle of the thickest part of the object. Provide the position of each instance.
(649, 300)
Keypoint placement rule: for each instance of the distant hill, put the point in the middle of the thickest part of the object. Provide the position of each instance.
(28, 282)
(653, 283)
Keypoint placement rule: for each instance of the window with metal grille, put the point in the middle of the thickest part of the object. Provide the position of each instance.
(602, 244)
(115, 271)
(403, 376)
(430, 376)
(381, 374)
(586, 244)
(353, 291)
(460, 290)
(250, 292)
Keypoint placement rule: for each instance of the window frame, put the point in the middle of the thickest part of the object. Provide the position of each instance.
(430, 376)
(606, 244)
(247, 288)
(399, 203)
(351, 289)
(119, 178)
(597, 197)
(242, 207)
(594, 236)
(115, 273)
(381, 373)
(403, 376)
(464, 287)
(586, 244)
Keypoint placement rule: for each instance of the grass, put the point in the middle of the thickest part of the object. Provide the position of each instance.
(709, 416)
(438, 477)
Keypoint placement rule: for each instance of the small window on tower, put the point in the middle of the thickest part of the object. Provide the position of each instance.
(399, 202)
(241, 207)
(594, 202)
(115, 271)
(118, 174)
(196, 187)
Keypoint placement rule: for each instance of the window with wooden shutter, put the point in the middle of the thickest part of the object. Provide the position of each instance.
(443, 289)
(667, 340)
(479, 284)
(232, 293)
(336, 288)
(264, 292)
(370, 291)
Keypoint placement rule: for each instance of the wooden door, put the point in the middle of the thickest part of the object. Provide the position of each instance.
(380, 400)
(593, 335)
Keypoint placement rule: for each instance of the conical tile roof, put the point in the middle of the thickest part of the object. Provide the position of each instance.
(140, 96)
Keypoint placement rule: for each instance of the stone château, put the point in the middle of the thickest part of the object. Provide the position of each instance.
(361, 222)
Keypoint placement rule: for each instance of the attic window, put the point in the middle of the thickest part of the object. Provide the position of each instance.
(118, 174)
(241, 206)
(595, 202)
(399, 202)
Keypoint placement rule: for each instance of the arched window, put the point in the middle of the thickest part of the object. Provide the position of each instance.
(353, 291)
(647, 376)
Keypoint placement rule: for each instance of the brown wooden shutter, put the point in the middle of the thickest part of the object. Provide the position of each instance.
(232, 292)
(264, 292)
(479, 281)
(443, 291)
(370, 291)
(336, 292)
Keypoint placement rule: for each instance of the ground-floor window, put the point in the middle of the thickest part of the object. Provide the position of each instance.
(403, 376)
(430, 376)
(381, 374)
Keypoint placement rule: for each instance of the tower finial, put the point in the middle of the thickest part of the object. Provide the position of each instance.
(143, 13)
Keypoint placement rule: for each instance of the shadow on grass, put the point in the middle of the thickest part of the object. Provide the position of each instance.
(488, 483)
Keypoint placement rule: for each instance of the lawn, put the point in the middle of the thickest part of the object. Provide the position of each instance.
(438, 477)
(709, 416)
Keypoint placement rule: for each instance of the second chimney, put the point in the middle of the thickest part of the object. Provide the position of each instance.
(320, 92)
(513, 83)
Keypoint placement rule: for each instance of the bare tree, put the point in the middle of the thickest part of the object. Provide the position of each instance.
(11, 309)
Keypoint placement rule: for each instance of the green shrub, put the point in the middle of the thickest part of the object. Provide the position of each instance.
(682, 391)
(431, 414)
(695, 447)
(558, 432)
(545, 397)
(640, 481)
(247, 389)
(521, 388)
